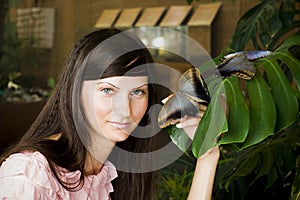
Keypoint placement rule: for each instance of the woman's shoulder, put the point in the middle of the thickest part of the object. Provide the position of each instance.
(28, 172)
(27, 162)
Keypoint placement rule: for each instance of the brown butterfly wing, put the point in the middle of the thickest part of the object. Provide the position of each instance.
(185, 102)
(177, 106)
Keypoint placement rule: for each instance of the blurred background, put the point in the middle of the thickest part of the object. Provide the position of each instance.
(37, 35)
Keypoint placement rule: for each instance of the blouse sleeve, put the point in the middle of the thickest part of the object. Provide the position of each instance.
(27, 176)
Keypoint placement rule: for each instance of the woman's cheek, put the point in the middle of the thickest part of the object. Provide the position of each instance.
(140, 109)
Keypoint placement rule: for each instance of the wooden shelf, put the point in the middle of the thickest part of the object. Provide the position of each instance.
(150, 16)
(175, 16)
(204, 14)
(107, 18)
(128, 17)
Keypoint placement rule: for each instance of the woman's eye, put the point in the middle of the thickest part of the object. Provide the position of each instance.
(138, 92)
(107, 91)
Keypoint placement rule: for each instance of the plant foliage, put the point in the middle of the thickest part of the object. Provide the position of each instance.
(265, 24)
(260, 136)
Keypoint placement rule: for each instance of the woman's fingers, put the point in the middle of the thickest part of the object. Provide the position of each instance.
(188, 121)
(192, 121)
(189, 125)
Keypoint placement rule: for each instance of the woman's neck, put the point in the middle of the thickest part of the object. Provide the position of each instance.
(97, 153)
(92, 166)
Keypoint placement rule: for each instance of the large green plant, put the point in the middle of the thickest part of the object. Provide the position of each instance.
(260, 137)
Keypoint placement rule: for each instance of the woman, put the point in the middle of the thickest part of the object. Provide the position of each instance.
(101, 98)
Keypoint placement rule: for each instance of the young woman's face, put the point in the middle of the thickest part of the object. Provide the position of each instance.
(114, 106)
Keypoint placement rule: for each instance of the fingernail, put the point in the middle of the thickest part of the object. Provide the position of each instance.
(179, 125)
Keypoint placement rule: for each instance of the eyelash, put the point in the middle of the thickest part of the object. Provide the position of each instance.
(111, 91)
(107, 91)
(141, 92)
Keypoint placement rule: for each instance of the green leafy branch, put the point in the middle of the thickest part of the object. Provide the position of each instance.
(265, 24)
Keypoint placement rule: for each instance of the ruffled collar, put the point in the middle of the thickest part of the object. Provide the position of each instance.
(107, 173)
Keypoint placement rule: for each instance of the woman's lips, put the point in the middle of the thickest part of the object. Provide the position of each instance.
(120, 125)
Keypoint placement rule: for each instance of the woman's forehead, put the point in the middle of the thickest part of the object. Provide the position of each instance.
(133, 81)
(129, 82)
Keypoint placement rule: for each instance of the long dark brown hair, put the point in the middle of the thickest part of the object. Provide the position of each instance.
(90, 59)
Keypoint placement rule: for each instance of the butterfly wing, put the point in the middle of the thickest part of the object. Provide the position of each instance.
(192, 85)
(250, 55)
(237, 65)
(175, 108)
(185, 102)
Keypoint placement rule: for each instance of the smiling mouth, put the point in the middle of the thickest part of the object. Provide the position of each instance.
(120, 125)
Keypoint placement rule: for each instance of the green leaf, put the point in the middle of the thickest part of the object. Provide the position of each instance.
(284, 96)
(245, 168)
(296, 184)
(179, 137)
(273, 175)
(278, 153)
(266, 160)
(212, 124)
(269, 21)
(238, 115)
(292, 63)
(262, 111)
(276, 23)
(293, 40)
(287, 13)
(264, 36)
(251, 22)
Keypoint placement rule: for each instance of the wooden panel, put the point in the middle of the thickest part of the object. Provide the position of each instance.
(175, 15)
(204, 14)
(150, 16)
(16, 118)
(128, 17)
(107, 18)
(202, 35)
(137, 3)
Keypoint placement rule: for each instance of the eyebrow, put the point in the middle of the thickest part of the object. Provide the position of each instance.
(118, 87)
(108, 84)
(141, 86)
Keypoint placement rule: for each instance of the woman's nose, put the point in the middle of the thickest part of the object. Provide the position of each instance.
(121, 106)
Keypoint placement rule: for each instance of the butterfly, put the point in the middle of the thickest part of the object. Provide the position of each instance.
(193, 90)
(239, 64)
(185, 101)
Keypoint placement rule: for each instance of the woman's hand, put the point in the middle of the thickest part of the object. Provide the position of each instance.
(190, 124)
(206, 165)
(205, 170)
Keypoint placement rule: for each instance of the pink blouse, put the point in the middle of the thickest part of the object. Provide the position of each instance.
(28, 176)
